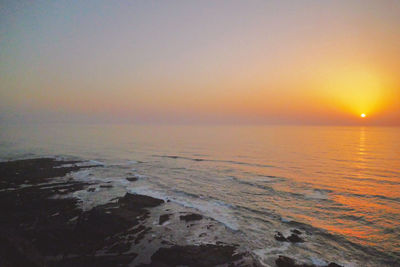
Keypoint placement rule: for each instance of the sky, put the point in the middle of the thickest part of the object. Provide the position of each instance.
(218, 62)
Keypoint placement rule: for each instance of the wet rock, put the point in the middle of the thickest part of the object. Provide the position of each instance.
(106, 186)
(96, 225)
(295, 231)
(141, 234)
(191, 217)
(91, 189)
(279, 237)
(34, 171)
(135, 202)
(98, 261)
(120, 247)
(37, 229)
(292, 238)
(204, 255)
(11, 256)
(284, 261)
(132, 179)
(164, 218)
(166, 242)
(295, 239)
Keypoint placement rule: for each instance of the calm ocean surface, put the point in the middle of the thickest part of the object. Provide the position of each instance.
(339, 185)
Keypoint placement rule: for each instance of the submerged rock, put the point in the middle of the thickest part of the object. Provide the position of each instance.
(98, 261)
(295, 231)
(133, 201)
(203, 255)
(295, 238)
(120, 247)
(164, 218)
(292, 238)
(279, 237)
(284, 261)
(191, 217)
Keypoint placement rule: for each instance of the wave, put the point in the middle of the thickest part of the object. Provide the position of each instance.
(215, 209)
(316, 193)
(216, 160)
(378, 181)
(253, 184)
(393, 199)
(268, 179)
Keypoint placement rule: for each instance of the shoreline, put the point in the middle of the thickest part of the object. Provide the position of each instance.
(43, 224)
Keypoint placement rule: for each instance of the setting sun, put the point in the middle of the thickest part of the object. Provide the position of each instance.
(363, 115)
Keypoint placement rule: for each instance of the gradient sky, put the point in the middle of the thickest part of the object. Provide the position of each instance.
(311, 62)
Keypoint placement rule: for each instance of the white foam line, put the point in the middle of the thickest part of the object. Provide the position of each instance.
(211, 209)
(86, 176)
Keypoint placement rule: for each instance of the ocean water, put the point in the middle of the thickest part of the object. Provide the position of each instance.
(340, 186)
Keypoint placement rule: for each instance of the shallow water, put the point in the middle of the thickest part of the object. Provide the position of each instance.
(339, 185)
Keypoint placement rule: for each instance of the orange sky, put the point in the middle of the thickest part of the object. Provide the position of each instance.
(309, 62)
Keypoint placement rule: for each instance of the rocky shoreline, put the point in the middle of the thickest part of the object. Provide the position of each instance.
(42, 225)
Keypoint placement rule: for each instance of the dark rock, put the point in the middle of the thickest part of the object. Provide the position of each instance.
(135, 202)
(11, 256)
(284, 261)
(295, 231)
(279, 237)
(295, 239)
(165, 242)
(141, 234)
(106, 186)
(37, 229)
(33, 171)
(204, 255)
(91, 189)
(98, 261)
(292, 238)
(191, 217)
(96, 225)
(120, 247)
(164, 218)
(132, 179)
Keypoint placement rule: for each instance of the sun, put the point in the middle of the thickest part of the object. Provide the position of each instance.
(363, 115)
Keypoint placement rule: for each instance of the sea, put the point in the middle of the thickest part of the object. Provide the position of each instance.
(340, 186)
